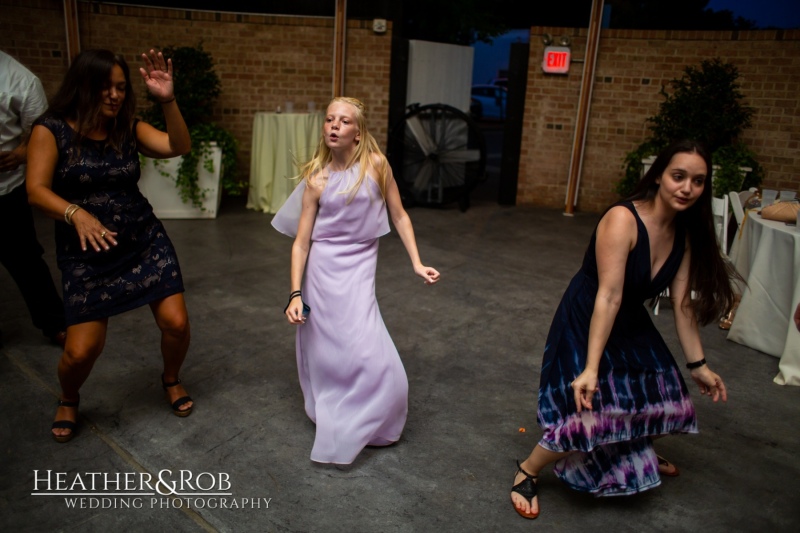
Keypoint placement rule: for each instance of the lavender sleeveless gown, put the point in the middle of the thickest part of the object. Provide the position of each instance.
(353, 382)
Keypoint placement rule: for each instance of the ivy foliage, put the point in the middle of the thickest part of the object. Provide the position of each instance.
(705, 105)
(197, 87)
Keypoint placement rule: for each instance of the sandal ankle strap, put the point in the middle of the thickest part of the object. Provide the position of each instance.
(68, 403)
(519, 467)
(168, 385)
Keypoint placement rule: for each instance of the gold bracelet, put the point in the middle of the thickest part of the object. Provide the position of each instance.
(69, 211)
(66, 212)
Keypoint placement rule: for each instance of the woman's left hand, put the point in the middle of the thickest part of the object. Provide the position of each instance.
(584, 388)
(157, 76)
(710, 383)
(430, 275)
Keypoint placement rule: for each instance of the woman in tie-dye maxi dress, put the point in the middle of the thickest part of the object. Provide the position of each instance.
(609, 384)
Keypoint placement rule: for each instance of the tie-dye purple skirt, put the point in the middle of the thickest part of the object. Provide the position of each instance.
(641, 395)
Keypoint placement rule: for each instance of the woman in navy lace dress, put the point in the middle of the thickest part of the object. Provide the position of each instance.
(113, 253)
(609, 384)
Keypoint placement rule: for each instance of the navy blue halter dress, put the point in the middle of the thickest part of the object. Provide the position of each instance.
(143, 267)
(642, 393)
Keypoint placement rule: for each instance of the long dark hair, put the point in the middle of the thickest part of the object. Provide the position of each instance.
(709, 273)
(80, 96)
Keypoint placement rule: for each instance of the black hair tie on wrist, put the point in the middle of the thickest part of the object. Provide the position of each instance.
(292, 296)
(696, 364)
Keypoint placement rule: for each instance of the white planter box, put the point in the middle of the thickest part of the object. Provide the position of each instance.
(163, 195)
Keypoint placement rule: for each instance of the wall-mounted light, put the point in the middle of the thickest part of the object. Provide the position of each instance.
(379, 25)
(547, 39)
(565, 40)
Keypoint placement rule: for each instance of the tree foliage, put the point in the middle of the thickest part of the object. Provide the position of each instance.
(705, 105)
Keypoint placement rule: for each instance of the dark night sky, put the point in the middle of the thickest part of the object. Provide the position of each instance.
(767, 13)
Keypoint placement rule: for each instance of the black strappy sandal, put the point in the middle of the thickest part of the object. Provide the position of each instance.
(65, 424)
(527, 489)
(180, 401)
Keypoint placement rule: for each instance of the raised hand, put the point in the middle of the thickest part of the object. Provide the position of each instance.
(157, 75)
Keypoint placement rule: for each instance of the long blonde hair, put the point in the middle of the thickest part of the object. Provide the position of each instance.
(363, 154)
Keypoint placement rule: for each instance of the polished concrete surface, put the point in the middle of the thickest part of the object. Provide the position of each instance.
(472, 349)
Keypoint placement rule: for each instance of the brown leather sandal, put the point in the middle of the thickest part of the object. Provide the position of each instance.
(726, 321)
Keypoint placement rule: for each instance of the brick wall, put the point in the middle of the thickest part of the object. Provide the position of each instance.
(632, 66)
(262, 61)
(33, 33)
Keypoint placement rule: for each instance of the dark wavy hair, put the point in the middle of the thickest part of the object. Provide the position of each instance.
(80, 96)
(709, 273)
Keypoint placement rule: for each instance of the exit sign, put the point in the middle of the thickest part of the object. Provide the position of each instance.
(556, 59)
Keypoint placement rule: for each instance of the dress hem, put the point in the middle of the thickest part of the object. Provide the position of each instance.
(546, 444)
(119, 310)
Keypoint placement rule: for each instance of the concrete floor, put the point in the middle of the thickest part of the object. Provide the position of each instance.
(472, 349)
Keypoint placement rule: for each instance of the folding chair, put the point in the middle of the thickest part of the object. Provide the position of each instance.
(719, 207)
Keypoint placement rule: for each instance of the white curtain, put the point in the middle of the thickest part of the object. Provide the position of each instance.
(439, 74)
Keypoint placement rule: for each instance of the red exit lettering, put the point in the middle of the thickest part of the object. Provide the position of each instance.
(557, 59)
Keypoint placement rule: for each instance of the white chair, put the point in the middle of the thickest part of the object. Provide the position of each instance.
(738, 200)
(719, 207)
(736, 207)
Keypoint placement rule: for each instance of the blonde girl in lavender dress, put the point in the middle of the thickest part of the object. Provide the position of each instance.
(353, 382)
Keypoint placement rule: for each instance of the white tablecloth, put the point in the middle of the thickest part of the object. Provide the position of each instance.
(767, 255)
(279, 142)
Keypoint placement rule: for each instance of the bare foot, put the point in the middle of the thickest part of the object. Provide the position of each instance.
(665, 468)
(524, 494)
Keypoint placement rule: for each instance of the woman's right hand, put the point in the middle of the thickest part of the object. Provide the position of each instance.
(91, 231)
(584, 387)
(710, 383)
(295, 311)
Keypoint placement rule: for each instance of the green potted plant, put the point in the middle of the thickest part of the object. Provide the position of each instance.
(214, 150)
(705, 104)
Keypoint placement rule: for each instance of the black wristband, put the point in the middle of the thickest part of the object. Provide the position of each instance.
(167, 101)
(292, 296)
(696, 364)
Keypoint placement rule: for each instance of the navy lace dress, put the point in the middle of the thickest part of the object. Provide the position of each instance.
(642, 393)
(143, 267)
